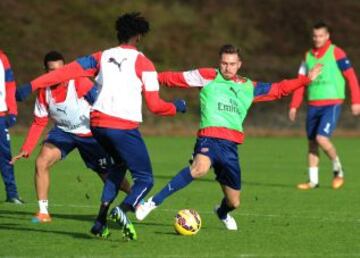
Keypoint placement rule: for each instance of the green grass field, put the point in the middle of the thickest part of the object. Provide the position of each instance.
(275, 219)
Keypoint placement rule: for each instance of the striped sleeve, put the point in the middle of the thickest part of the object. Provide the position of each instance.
(39, 123)
(86, 66)
(298, 95)
(146, 72)
(271, 91)
(188, 79)
(10, 85)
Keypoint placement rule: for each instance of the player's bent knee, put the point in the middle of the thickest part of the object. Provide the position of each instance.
(198, 171)
(42, 164)
(322, 139)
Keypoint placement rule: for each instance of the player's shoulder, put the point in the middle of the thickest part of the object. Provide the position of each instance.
(144, 63)
(207, 73)
(339, 52)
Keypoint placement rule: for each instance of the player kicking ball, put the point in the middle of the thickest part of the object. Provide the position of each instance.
(225, 99)
(68, 105)
(124, 76)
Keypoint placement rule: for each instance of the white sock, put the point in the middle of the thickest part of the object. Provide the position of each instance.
(314, 175)
(337, 167)
(43, 206)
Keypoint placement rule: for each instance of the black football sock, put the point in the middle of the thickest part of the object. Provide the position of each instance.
(104, 208)
(126, 207)
(224, 209)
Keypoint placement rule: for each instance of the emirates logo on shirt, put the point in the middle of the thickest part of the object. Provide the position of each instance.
(115, 62)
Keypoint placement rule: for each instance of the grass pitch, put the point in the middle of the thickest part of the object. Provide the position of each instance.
(275, 219)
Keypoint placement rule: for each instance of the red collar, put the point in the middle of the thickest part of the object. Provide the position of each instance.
(319, 52)
(128, 46)
(236, 78)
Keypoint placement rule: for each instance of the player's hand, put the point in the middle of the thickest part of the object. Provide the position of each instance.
(23, 92)
(292, 114)
(22, 154)
(314, 72)
(10, 120)
(355, 109)
(180, 105)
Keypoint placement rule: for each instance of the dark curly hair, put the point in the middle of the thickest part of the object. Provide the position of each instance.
(130, 25)
(53, 56)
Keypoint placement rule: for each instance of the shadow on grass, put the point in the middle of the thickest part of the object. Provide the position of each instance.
(268, 184)
(15, 227)
(277, 185)
(77, 217)
(151, 224)
(198, 179)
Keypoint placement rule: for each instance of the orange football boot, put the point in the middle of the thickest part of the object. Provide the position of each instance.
(337, 182)
(307, 186)
(41, 218)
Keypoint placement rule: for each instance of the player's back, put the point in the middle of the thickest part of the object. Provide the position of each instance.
(119, 85)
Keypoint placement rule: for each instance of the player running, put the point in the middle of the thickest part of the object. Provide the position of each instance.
(325, 97)
(8, 113)
(123, 74)
(224, 101)
(68, 105)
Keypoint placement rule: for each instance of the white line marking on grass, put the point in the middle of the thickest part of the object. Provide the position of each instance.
(245, 214)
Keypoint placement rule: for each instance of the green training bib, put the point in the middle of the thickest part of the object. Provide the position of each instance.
(330, 84)
(224, 103)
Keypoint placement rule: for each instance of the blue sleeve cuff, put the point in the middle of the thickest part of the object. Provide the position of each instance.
(87, 62)
(23, 92)
(262, 88)
(9, 75)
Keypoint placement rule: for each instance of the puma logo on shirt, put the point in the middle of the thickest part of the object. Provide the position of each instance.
(233, 90)
(115, 62)
(61, 110)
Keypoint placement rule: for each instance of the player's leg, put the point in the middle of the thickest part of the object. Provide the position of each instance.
(125, 185)
(200, 167)
(125, 146)
(7, 170)
(96, 159)
(230, 202)
(312, 124)
(55, 147)
(228, 174)
(327, 126)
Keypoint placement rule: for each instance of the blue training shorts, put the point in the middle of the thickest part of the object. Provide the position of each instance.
(224, 159)
(322, 120)
(90, 151)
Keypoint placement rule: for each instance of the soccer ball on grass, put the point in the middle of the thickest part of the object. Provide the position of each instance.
(187, 222)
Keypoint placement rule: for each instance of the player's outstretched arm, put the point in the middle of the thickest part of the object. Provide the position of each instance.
(36, 129)
(86, 66)
(272, 91)
(145, 71)
(188, 79)
(32, 139)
